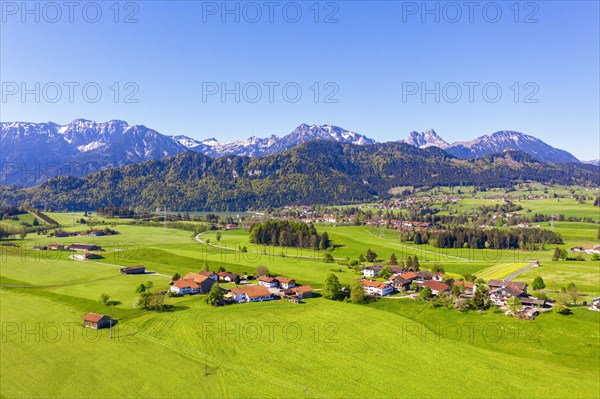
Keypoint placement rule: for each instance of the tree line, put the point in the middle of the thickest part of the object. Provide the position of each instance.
(522, 238)
(288, 234)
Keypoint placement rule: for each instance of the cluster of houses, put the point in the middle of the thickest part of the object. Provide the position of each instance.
(268, 288)
(500, 291)
(590, 250)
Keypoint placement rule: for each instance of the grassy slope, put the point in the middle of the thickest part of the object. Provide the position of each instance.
(343, 360)
(171, 344)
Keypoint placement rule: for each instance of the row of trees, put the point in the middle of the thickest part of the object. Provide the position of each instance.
(524, 238)
(289, 234)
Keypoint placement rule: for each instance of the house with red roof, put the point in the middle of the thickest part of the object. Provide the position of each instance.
(96, 321)
(302, 291)
(435, 286)
(192, 283)
(251, 293)
(285, 282)
(376, 288)
(466, 287)
(268, 282)
(209, 274)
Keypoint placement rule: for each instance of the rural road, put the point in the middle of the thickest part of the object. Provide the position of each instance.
(200, 241)
(515, 274)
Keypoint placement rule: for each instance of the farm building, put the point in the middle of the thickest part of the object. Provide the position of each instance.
(302, 291)
(435, 286)
(495, 284)
(251, 293)
(133, 270)
(56, 247)
(595, 304)
(399, 282)
(83, 247)
(87, 256)
(228, 277)
(467, 287)
(192, 283)
(40, 248)
(409, 276)
(285, 282)
(375, 288)
(268, 282)
(209, 274)
(501, 295)
(96, 321)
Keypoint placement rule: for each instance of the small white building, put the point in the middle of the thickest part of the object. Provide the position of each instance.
(268, 282)
(184, 287)
(371, 271)
(285, 282)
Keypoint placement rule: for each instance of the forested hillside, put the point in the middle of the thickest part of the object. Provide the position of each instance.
(315, 172)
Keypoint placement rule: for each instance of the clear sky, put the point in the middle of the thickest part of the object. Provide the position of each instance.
(360, 65)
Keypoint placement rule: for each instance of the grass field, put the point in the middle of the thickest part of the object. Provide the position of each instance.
(388, 348)
(23, 218)
(323, 347)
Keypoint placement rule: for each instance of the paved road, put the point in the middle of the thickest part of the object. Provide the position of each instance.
(238, 249)
(515, 274)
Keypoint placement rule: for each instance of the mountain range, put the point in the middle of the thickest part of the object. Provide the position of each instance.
(315, 172)
(493, 144)
(33, 152)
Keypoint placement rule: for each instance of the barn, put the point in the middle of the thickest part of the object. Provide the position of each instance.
(96, 321)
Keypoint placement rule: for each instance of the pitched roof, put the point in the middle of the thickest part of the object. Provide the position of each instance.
(181, 283)
(227, 274)
(435, 285)
(510, 290)
(206, 273)
(375, 284)
(374, 267)
(302, 288)
(83, 246)
(195, 277)
(252, 291)
(93, 317)
(266, 279)
(284, 280)
(506, 283)
(399, 280)
(409, 275)
(465, 284)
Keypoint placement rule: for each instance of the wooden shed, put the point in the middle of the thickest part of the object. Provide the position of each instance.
(133, 270)
(96, 321)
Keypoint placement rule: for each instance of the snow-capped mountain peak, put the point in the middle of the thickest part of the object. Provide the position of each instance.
(428, 138)
(116, 143)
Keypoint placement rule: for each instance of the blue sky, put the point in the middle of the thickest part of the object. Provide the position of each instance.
(369, 60)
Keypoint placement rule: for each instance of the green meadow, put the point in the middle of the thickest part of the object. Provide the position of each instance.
(321, 348)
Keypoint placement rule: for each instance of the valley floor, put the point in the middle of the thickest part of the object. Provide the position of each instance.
(321, 348)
